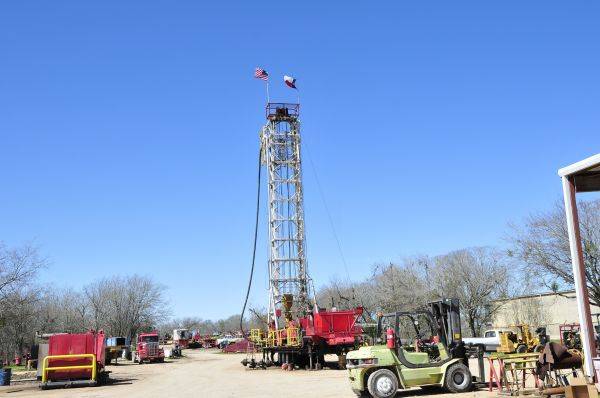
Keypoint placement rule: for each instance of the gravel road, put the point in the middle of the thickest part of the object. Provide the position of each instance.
(210, 374)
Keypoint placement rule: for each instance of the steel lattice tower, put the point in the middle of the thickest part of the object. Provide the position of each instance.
(280, 151)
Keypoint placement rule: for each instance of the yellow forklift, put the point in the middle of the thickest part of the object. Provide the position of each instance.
(522, 340)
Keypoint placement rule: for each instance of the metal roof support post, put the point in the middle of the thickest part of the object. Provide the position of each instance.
(583, 303)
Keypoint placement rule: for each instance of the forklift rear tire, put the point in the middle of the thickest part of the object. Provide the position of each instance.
(382, 383)
(522, 349)
(458, 378)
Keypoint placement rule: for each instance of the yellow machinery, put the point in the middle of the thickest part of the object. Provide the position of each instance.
(257, 336)
(520, 341)
(288, 337)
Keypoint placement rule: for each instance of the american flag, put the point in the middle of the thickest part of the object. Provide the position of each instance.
(262, 74)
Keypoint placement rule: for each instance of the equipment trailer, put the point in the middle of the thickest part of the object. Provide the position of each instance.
(74, 360)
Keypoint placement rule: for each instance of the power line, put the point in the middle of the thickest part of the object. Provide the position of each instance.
(332, 225)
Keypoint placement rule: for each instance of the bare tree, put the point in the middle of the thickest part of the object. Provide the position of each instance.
(63, 310)
(124, 306)
(542, 242)
(476, 277)
(20, 314)
(18, 267)
(18, 271)
(256, 319)
(399, 287)
(346, 294)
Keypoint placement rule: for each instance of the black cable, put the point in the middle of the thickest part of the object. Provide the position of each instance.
(254, 246)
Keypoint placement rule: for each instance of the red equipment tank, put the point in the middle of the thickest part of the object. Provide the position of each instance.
(335, 327)
(70, 352)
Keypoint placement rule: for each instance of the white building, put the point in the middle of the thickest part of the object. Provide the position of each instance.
(545, 309)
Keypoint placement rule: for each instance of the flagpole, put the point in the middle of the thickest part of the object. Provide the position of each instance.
(267, 84)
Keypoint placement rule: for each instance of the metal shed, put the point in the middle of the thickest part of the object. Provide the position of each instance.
(583, 176)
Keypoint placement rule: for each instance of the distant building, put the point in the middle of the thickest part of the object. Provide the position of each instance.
(549, 309)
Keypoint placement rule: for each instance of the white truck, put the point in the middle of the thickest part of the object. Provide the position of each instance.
(490, 340)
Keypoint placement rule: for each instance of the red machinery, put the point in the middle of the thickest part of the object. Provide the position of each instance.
(182, 337)
(335, 328)
(195, 340)
(202, 341)
(208, 341)
(148, 349)
(305, 342)
(570, 335)
(74, 359)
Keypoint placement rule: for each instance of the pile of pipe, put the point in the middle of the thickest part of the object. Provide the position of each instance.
(253, 364)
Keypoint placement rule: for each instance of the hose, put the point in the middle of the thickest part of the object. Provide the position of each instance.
(254, 245)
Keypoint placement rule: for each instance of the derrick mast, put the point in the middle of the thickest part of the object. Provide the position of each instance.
(298, 334)
(280, 153)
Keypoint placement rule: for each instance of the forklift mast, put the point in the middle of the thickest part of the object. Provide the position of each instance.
(446, 313)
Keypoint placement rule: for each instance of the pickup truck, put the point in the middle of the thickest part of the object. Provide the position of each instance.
(490, 340)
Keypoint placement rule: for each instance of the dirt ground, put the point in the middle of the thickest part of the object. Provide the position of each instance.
(212, 374)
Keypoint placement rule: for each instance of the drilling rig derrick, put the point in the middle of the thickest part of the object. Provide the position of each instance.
(299, 334)
(280, 153)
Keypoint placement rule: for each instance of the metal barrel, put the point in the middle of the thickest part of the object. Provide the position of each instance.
(5, 376)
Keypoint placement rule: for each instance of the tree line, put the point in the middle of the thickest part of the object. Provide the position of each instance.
(229, 325)
(119, 305)
(536, 257)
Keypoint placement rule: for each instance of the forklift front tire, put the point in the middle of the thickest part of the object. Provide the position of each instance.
(382, 383)
(458, 378)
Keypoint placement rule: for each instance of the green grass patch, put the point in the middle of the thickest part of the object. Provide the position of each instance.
(17, 368)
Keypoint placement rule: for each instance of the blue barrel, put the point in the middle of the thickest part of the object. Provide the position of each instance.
(5, 376)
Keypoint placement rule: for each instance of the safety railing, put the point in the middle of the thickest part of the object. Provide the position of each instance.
(46, 368)
(280, 336)
(256, 336)
(275, 110)
(288, 337)
(293, 336)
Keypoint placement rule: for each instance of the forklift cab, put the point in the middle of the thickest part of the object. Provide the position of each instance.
(426, 337)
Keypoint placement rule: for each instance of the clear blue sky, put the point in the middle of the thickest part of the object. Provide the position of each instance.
(129, 130)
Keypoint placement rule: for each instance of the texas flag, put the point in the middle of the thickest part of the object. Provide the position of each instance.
(290, 81)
